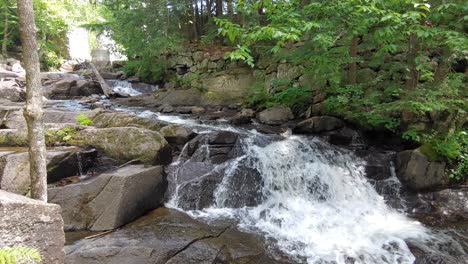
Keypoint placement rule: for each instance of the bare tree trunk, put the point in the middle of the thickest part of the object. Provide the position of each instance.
(413, 77)
(105, 87)
(33, 111)
(353, 66)
(194, 12)
(5, 34)
(219, 8)
(230, 8)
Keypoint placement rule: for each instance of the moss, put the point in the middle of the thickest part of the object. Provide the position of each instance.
(429, 152)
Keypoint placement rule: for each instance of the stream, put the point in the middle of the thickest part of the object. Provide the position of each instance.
(313, 201)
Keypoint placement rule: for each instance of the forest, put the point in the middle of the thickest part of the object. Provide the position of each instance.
(256, 111)
(421, 44)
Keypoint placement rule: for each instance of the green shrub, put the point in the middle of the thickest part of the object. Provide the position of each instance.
(19, 254)
(83, 120)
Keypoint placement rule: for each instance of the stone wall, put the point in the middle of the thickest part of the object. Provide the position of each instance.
(32, 223)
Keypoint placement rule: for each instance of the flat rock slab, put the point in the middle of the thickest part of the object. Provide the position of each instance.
(110, 200)
(32, 223)
(169, 236)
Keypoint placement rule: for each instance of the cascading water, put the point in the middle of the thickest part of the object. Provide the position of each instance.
(316, 204)
(122, 86)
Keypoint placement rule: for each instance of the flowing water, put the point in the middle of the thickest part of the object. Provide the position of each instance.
(315, 203)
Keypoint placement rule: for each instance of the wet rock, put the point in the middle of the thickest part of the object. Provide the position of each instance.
(177, 135)
(110, 200)
(417, 172)
(32, 223)
(60, 89)
(111, 75)
(440, 208)
(71, 164)
(166, 109)
(344, 136)
(196, 181)
(126, 143)
(10, 90)
(244, 117)
(276, 115)
(167, 236)
(318, 124)
(143, 87)
(184, 110)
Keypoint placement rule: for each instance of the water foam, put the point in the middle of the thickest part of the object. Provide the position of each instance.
(317, 205)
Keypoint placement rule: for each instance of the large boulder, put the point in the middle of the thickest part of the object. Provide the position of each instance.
(417, 172)
(105, 119)
(276, 115)
(32, 223)
(110, 200)
(69, 87)
(177, 135)
(168, 236)
(11, 91)
(318, 124)
(14, 168)
(126, 144)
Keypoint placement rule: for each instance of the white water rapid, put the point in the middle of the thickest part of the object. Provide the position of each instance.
(316, 204)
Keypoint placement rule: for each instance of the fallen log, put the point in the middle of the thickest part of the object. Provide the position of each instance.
(105, 87)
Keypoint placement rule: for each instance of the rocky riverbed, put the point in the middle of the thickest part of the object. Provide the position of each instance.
(151, 182)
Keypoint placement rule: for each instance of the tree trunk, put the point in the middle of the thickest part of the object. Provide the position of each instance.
(219, 8)
(413, 76)
(443, 68)
(105, 87)
(5, 34)
(33, 111)
(230, 8)
(353, 65)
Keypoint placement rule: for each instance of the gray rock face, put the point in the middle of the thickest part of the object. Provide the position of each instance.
(419, 173)
(127, 143)
(177, 135)
(69, 87)
(110, 200)
(168, 236)
(11, 91)
(14, 170)
(318, 124)
(276, 115)
(32, 223)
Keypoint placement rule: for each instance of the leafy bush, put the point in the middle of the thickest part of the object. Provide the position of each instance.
(147, 69)
(83, 120)
(452, 148)
(296, 98)
(18, 254)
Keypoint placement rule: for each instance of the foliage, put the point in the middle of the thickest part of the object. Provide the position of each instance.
(18, 255)
(83, 120)
(296, 98)
(65, 134)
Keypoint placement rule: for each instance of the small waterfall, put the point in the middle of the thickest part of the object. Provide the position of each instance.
(315, 202)
(80, 164)
(122, 86)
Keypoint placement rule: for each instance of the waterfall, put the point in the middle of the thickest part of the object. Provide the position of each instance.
(125, 87)
(316, 203)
